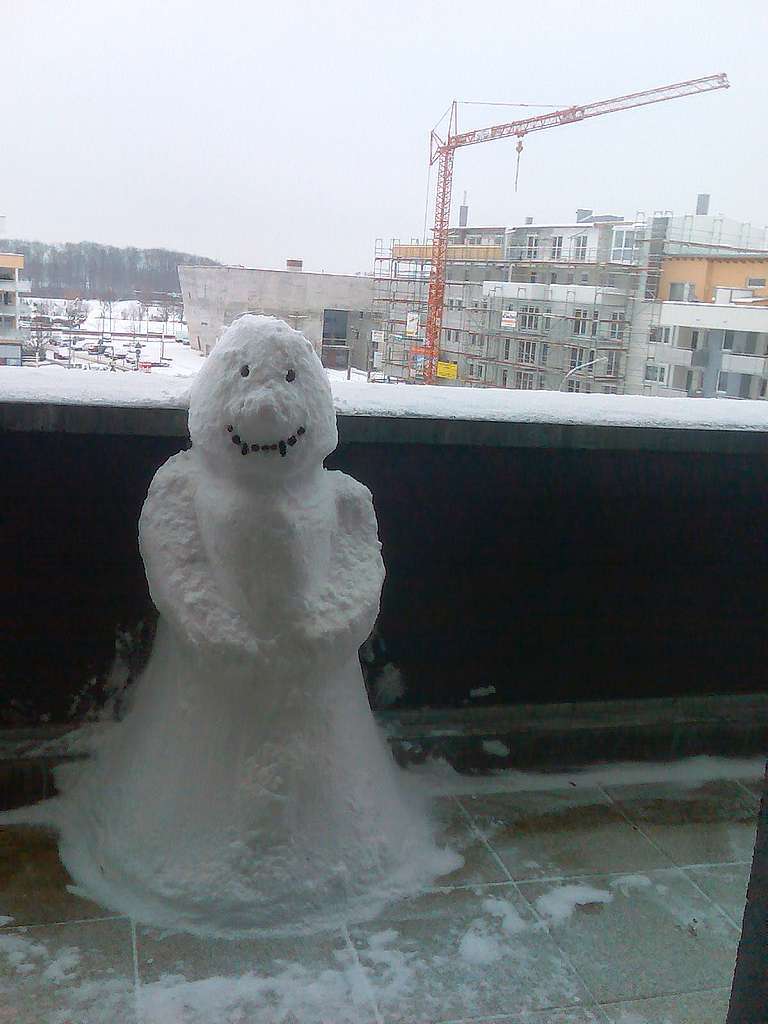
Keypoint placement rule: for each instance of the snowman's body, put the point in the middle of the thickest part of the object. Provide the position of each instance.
(248, 787)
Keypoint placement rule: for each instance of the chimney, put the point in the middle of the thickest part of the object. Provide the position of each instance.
(583, 215)
(463, 212)
(702, 204)
(529, 220)
(294, 264)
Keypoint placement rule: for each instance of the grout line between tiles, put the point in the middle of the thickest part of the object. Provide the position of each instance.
(748, 793)
(136, 982)
(371, 997)
(539, 917)
(679, 867)
(60, 924)
(666, 995)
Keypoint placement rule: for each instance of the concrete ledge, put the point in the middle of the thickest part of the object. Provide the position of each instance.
(155, 421)
(541, 737)
(552, 737)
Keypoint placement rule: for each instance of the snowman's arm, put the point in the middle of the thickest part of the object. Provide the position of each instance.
(357, 569)
(179, 575)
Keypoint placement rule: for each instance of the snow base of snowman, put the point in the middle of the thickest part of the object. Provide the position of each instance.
(248, 788)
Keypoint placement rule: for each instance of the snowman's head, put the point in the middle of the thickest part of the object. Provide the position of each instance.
(261, 404)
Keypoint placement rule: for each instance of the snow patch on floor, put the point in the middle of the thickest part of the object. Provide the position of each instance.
(558, 904)
(496, 748)
(482, 691)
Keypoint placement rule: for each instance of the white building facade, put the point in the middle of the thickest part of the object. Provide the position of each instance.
(11, 265)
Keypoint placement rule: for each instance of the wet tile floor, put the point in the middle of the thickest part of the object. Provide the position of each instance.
(576, 905)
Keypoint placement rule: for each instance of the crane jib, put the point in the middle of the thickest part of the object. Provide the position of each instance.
(444, 152)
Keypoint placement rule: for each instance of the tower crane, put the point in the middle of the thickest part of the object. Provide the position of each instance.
(442, 151)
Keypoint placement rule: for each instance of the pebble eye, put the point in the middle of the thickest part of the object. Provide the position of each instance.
(244, 370)
(290, 376)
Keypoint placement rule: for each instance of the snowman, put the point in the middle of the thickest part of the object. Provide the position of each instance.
(248, 789)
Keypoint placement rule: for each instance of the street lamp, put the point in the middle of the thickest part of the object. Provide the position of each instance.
(584, 366)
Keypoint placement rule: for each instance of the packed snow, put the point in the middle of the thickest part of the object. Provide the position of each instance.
(247, 788)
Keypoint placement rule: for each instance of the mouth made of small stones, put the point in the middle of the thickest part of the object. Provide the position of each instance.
(280, 446)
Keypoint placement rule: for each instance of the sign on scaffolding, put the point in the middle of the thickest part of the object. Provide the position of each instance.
(508, 319)
(448, 370)
(412, 325)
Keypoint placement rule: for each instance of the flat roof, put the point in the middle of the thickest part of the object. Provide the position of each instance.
(723, 258)
(271, 270)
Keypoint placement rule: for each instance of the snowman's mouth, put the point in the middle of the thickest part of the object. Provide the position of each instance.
(280, 446)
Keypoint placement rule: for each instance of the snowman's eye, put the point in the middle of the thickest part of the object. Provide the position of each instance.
(244, 370)
(290, 376)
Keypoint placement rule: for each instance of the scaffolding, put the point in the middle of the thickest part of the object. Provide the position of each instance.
(483, 343)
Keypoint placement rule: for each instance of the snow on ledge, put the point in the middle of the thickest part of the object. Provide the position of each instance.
(58, 386)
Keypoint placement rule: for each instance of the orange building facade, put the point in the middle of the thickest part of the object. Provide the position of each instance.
(695, 278)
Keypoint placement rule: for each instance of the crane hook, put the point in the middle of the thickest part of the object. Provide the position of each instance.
(517, 167)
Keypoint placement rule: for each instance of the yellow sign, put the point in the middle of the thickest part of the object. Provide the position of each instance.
(448, 370)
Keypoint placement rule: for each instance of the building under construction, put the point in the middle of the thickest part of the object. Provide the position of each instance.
(571, 306)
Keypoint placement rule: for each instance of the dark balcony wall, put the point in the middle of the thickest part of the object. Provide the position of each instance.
(550, 574)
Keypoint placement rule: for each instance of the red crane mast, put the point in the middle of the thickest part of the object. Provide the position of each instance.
(443, 150)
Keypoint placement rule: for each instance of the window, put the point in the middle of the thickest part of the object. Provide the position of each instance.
(617, 326)
(529, 318)
(611, 280)
(755, 282)
(750, 342)
(524, 380)
(547, 318)
(526, 351)
(722, 382)
(544, 355)
(580, 247)
(569, 278)
(532, 247)
(595, 322)
(473, 239)
(678, 292)
(576, 358)
(504, 376)
(580, 318)
(610, 389)
(473, 339)
(694, 340)
(553, 278)
(533, 277)
(624, 243)
(656, 373)
(612, 366)
(585, 278)
(557, 247)
(666, 335)
(574, 386)
(542, 381)
(476, 371)
(728, 340)
(507, 345)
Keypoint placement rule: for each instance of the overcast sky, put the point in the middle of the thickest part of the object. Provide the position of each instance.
(251, 132)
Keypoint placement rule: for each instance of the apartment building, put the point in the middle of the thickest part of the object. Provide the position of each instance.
(531, 306)
(578, 306)
(334, 311)
(10, 287)
(716, 349)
